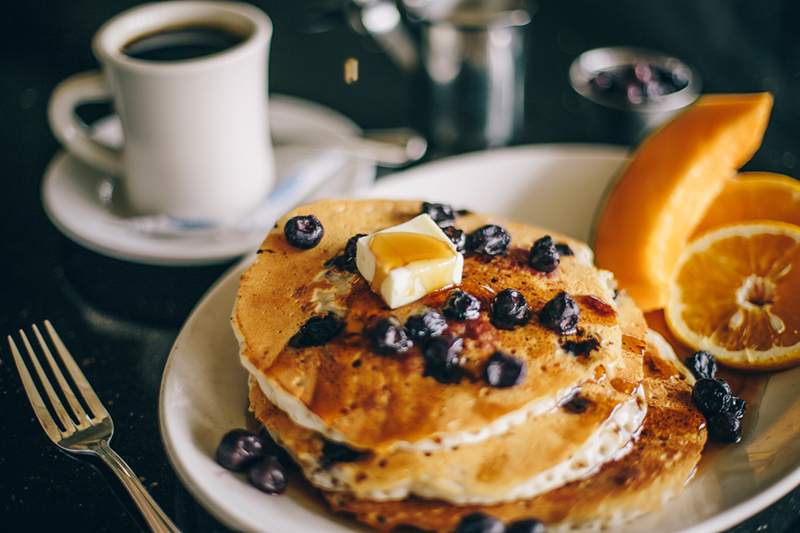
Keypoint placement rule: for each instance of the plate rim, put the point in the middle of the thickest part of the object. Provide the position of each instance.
(723, 520)
(217, 511)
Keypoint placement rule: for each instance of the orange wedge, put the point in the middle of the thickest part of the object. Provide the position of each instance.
(754, 196)
(671, 180)
(734, 294)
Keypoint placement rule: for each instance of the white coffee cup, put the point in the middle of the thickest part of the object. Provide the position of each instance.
(197, 143)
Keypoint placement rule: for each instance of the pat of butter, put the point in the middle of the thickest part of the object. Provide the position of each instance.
(405, 262)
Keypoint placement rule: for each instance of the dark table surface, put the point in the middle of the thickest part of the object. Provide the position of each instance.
(121, 318)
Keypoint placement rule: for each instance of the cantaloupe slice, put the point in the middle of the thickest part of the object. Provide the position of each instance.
(669, 183)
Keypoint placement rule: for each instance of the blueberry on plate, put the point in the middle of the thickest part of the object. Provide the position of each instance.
(457, 237)
(303, 231)
(268, 475)
(702, 365)
(239, 449)
(490, 240)
(503, 370)
(528, 525)
(426, 324)
(442, 356)
(724, 427)
(480, 523)
(442, 214)
(561, 314)
(509, 309)
(461, 306)
(544, 255)
(738, 407)
(388, 337)
(712, 396)
(317, 330)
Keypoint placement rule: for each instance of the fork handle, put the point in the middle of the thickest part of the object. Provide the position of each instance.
(158, 521)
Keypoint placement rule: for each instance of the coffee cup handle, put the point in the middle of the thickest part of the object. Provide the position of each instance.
(74, 135)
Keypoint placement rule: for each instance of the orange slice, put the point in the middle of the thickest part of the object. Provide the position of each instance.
(669, 183)
(754, 196)
(734, 294)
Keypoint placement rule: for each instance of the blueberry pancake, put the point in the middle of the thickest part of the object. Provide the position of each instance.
(486, 367)
(659, 464)
(570, 441)
(327, 351)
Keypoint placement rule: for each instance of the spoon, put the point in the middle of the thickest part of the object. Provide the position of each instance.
(391, 148)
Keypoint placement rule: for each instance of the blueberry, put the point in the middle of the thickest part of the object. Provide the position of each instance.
(461, 305)
(581, 348)
(577, 403)
(268, 475)
(335, 452)
(544, 256)
(702, 365)
(509, 309)
(442, 356)
(560, 314)
(724, 427)
(489, 240)
(388, 337)
(529, 525)
(428, 323)
(238, 449)
(738, 407)
(503, 370)
(457, 237)
(634, 94)
(303, 231)
(347, 259)
(643, 72)
(712, 396)
(442, 214)
(480, 523)
(654, 89)
(603, 81)
(564, 249)
(317, 330)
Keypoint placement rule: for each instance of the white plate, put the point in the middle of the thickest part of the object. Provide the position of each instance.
(71, 198)
(204, 393)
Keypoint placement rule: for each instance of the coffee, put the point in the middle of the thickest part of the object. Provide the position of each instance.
(180, 44)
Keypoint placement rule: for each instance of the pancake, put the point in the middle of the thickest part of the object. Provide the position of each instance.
(570, 442)
(348, 394)
(659, 464)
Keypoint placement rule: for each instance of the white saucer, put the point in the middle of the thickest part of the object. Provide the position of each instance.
(71, 193)
(204, 392)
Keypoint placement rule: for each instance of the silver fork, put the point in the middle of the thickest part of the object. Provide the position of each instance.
(78, 432)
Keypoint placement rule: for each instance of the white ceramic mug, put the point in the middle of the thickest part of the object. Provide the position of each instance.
(197, 143)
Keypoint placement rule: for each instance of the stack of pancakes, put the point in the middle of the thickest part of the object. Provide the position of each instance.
(601, 429)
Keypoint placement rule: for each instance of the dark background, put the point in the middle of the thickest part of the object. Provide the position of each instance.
(120, 319)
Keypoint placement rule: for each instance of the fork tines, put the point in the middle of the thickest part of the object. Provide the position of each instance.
(76, 418)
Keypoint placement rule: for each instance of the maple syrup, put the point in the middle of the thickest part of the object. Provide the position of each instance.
(398, 249)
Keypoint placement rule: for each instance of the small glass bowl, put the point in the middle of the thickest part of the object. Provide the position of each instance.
(624, 121)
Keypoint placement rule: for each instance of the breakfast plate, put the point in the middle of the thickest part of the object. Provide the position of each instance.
(203, 391)
(77, 200)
